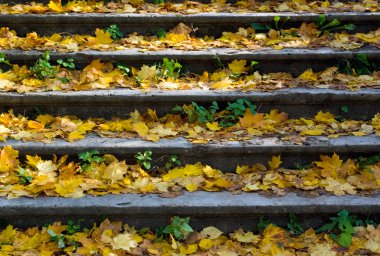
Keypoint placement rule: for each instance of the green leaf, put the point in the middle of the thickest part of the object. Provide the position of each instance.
(260, 27)
(344, 239)
(51, 233)
(263, 224)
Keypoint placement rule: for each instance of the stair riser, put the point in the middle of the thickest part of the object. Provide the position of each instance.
(223, 210)
(206, 24)
(360, 110)
(224, 156)
(294, 61)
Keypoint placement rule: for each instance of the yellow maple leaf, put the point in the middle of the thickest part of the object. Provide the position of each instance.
(312, 132)
(55, 6)
(238, 66)
(141, 128)
(308, 75)
(251, 120)
(214, 126)
(147, 72)
(329, 165)
(8, 159)
(191, 187)
(124, 241)
(222, 84)
(325, 117)
(103, 37)
(275, 162)
(188, 249)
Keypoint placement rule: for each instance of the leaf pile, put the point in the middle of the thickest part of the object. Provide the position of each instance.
(116, 238)
(190, 7)
(196, 123)
(107, 175)
(237, 76)
(306, 36)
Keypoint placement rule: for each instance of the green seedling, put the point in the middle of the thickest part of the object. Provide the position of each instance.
(69, 63)
(24, 176)
(126, 70)
(357, 66)
(172, 162)
(179, 228)
(234, 111)
(263, 224)
(266, 27)
(115, 32)
(90, 157)
(169, 69)
(327, 27)
(295, 228)
(43, 69)
(161, 33)
(340, 228)
(144, 159)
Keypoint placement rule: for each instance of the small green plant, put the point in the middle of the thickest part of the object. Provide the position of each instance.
(69, 63)
(198, 113)
(295, 228)
(43, 69)
(340, 228)
(60, 239)
(359, 65)
(158, 1)
(263, 224)
(144, 159)
(366, 161)
(24, 176)
(115, 32)
(90, 157)
(161, 33)
(235, 111)
(254, 66)
(63, 239)
(72, 228)
(327, 27)
(218, 63)
(169, 69)
(126, 70)
(179, 228)
(266, 27)
(4, 60)
(299, 166)
(172, 162)
(342, 112)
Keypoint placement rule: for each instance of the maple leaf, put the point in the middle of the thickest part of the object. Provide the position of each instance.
(275, 162)
(251, 120)
(329, 165)
(55, 6)
(124, 241)
(238, 66)
(147, 72)
(141, 128)
(103, 37)
(8, 159)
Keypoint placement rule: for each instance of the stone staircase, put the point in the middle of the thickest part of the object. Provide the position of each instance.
(223, 209)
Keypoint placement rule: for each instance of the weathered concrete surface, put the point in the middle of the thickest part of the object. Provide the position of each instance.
(207, 23)
(288, 60)
(297, 102)
(223, 209)
(225, 156)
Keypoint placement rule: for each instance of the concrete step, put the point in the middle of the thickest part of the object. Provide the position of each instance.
(294, 60)
(223, 155)
(221, 209)
(297, 102)
(207, 23)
